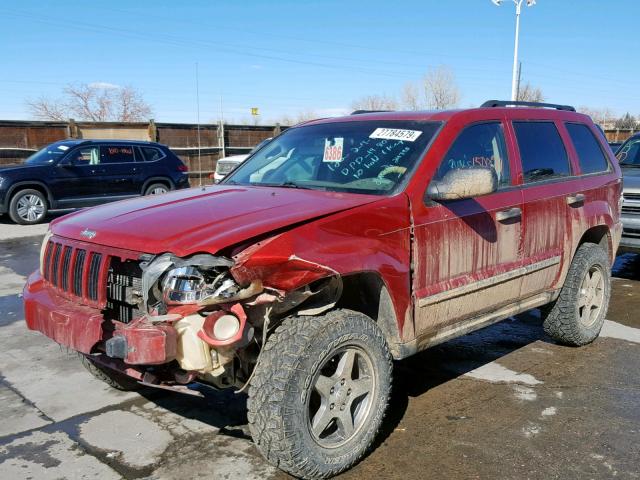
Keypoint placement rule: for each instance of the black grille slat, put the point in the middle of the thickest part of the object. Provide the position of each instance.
(47, 261)
(55, 267)
(66, 262)
(631, 196)
(78, 267)
(93, 279)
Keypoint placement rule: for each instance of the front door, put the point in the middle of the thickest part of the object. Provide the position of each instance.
(76, 181)
(467, 254)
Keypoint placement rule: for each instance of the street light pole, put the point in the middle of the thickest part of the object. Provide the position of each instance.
(514, 77)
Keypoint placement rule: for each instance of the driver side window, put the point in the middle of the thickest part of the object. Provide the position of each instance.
(480, 145)
(85, 156)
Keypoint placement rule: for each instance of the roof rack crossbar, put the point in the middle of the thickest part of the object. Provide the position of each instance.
(505, 103)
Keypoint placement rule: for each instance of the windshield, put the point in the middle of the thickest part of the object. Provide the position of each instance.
(359, 157)
(49, 154)
(629, 154)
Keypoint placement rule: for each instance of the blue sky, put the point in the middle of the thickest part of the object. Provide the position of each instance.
(289, 56)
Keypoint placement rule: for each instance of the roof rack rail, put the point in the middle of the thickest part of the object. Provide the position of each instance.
(360, 112)
(505, 103)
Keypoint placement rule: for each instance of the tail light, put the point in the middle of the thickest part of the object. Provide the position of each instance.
(183, 168)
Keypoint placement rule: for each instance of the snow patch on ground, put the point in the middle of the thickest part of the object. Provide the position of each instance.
(549, 411)
(621, 332)
(496, 373)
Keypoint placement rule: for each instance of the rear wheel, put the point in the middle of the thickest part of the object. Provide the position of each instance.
(28, 207)
(320, 392)
(577, 316)
(108, 376)
(156, 189)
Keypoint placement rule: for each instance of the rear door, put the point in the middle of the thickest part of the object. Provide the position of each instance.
(119, 171)
(468, 252)
(552, 198)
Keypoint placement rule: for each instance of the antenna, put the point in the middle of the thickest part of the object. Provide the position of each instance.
(198, 122)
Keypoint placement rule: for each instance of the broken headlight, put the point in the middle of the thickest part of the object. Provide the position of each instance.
(183, 285)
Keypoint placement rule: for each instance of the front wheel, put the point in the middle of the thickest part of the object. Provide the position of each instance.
(112, 378)
(320, 392)
(577, 316)
(28, 207)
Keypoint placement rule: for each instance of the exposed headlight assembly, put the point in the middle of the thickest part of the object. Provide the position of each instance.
(202, 279)
(183, 285)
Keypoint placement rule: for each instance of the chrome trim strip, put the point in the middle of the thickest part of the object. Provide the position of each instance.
(487, 282)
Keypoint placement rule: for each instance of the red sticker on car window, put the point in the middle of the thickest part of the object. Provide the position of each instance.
(333, 149)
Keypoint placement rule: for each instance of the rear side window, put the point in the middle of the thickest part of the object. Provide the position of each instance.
(480, 145)
(116, 154)
(151, 154)
(541, 150)
(590, 155)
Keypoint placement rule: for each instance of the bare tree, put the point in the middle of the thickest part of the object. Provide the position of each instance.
(47, 109)
(301, 116)
(375, 102)
(528, 93)
(603, 116)
(411, 97)
(93, 102)
(440, 88)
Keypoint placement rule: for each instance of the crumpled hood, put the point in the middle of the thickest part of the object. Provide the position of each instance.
(201, 219)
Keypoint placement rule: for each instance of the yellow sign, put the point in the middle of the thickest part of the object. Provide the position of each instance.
(254, 111)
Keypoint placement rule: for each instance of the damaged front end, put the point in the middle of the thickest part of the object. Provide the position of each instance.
(205, 318)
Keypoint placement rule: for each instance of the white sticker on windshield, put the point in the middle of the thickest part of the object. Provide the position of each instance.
(396, 134)
(63, 147)
(333, 149)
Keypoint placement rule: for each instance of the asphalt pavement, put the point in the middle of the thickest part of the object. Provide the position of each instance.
(504, 402)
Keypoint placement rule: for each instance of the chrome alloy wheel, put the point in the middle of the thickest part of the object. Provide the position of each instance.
(343, 390)
(159, 190)
(591, 296)
(30, 208)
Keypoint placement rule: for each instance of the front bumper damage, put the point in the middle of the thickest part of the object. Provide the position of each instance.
(175, 344)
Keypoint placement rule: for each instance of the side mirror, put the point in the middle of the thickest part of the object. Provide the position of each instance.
(463, 183)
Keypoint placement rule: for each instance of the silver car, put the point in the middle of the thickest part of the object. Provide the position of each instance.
(629, 157)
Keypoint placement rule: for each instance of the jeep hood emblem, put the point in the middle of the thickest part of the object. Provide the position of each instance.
(88, 233)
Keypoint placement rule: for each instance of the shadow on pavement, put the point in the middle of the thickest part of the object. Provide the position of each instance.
(412, 377)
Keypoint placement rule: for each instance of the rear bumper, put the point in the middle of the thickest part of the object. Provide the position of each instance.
(85, 330)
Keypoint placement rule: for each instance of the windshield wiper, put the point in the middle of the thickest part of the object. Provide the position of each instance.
(287, 184)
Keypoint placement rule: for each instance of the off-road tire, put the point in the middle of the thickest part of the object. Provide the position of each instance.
(108, 376)
(277, 411)
(150, 189)
(13, 206)
(562, 322)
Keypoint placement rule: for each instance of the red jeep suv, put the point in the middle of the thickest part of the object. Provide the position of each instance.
(342, 245)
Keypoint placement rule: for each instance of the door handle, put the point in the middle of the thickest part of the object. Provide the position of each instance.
(576, 199)
(508, 214)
